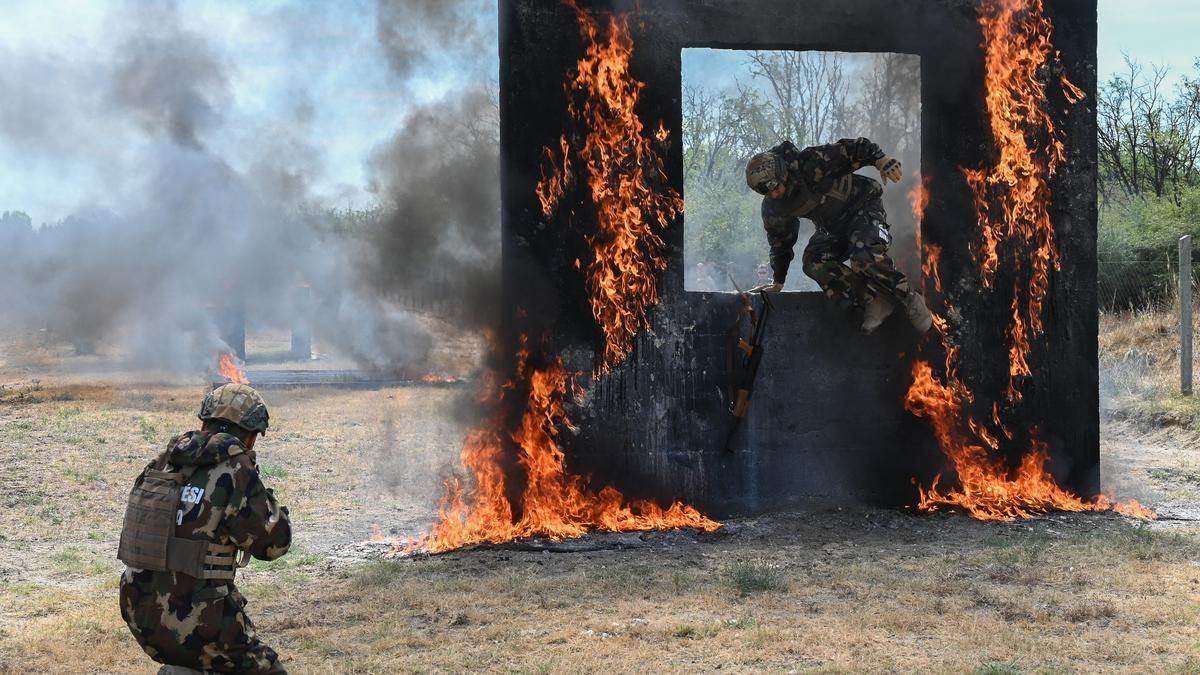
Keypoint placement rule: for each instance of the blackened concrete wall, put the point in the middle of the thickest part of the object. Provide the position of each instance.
(827, 423)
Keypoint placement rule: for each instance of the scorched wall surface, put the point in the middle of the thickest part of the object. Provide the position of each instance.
(827, 422)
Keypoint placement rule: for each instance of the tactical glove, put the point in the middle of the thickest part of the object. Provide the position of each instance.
(889, 170)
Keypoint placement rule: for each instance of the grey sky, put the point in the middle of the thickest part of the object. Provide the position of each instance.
(297, 68)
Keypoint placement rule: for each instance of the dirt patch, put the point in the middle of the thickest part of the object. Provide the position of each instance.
(1156, 465)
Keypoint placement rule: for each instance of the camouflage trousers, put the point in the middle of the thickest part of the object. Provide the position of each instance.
(864, 244)
(180, 621)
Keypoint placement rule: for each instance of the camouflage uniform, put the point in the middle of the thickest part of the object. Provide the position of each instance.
(849, 218)
(200, 623)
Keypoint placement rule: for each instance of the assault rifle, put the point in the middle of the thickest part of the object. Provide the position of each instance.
(743, 374)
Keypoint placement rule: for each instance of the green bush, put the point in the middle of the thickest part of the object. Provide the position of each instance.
(1137, 248)
(756, 576)
(272, 471)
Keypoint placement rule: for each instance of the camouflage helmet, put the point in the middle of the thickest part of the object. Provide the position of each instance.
(237, 404)
(765, 171)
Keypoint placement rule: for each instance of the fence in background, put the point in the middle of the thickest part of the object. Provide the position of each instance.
(1124, 285)
(1139, 285)
(441, 295)
(1186, 281)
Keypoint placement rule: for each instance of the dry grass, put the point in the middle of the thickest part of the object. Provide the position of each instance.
(830, 592)
(1139, 369)
(1139, 355)
(343, 460)
(1115, 600)
(1147, 334)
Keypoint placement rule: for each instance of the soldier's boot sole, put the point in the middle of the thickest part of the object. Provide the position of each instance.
(875, 313)
(918, 313)
(179, 670)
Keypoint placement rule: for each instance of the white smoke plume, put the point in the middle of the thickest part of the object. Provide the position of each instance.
(183, 228)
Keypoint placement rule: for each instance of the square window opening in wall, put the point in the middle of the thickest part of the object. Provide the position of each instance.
(739, 103)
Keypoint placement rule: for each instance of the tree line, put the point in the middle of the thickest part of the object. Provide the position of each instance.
(1148, 135)
(1148, 144)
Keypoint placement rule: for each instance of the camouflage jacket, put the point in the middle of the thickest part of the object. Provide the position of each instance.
(224, 501)
(822, 187)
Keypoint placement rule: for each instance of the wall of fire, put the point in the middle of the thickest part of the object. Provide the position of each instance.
(827, 422)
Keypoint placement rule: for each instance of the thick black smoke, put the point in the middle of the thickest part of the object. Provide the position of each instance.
(440, 183)
(438, 178)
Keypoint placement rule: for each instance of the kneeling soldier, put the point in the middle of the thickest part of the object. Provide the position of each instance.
(195, 515)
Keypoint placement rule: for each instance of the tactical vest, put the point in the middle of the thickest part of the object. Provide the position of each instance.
(148, 538)
(833, 200)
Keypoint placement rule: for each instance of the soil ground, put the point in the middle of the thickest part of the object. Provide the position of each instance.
(839, 591)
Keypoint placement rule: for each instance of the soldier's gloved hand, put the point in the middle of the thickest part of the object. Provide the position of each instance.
(773, 287)
(889, 170)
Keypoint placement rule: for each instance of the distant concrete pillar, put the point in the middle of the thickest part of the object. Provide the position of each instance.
(1185, 314)
(84, 346)
(302, 323)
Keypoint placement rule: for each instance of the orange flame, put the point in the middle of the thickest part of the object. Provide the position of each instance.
(929, 268)
(553, 183)
(1012, 200)
(663, 132)
(626, 182)
(1017, 37)
(554, 503)
(918, 199)
(228, 366)
(1133, 509)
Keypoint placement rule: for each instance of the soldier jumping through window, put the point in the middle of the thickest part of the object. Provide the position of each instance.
(819, 183)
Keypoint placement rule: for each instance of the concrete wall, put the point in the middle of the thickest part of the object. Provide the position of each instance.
(827, 423)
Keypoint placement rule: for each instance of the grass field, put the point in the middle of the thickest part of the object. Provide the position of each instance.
(842, 591)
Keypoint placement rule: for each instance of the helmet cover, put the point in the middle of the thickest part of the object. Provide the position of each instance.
(237, 404)
(764, 172)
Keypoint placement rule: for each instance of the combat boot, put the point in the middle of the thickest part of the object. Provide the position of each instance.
(874, 314)
(918, 313)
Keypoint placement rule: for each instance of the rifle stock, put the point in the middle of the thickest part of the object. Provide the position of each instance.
(742, 385)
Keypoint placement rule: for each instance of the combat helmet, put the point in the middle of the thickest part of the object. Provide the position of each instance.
(765, 171)
(237, 404)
